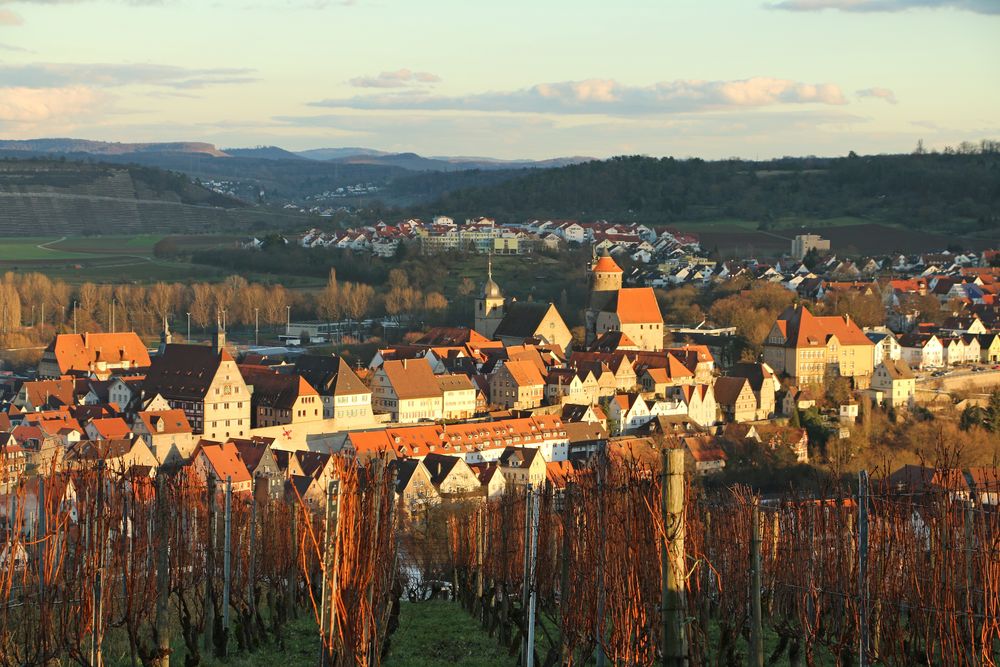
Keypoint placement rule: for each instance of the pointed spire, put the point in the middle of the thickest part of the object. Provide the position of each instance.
(489, 265)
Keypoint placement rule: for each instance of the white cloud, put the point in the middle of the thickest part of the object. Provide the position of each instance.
(610, 97)
(106, 75)
(880, 93)
(978, 6)
(400, 78)
(34, 105)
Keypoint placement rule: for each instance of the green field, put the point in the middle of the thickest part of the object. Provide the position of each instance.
(110, 258)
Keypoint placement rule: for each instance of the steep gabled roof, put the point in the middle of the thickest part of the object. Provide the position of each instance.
(636, 305)
(165, 421)
(276, 390)
(523, 319)
(330, 375)
(412, 378)
(184, 372)
(728, 389)
(225, 461)
(524, 373)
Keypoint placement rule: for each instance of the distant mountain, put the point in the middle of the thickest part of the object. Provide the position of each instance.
(337, 153)
(264, 153)
(70, 146)
(415, 162)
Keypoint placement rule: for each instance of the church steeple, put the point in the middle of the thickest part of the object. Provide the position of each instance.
(166, 338)
(490, 306)
(219, 335)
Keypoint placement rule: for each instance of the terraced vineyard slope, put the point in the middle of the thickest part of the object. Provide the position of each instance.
(49, 197)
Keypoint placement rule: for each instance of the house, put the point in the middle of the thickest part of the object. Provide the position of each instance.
(451, 476)
(413, 485)
(40, 395)
(306, 490)
(123, 455)
(343, 394)
(709, 458)
(205, 382)
(989, 348)
(107, 428)
(125, 392)
(458, 396)
(809, 348)
(280, 398)
(221, 461)
(260, 461)
(764, 384)
(517, 385)
(921, 350)
(96, 354)
(627, 412)
(407, 390)
(700, 402)
(735, 398)
(167, 433)
(897, 382)
(886, 346)
(493, 483)
(521, 466)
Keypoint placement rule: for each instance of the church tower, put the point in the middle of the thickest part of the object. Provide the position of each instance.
(605, 283)
(166, 338)
(490, 306)
(219, 335)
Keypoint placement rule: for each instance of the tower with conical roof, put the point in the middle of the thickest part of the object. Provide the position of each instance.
(490, 306)
(605, 283)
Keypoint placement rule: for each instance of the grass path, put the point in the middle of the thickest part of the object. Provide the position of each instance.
(441, 634)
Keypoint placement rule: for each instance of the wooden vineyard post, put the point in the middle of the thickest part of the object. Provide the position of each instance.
(673, 599)
(756, 629)
(210, 568)
(96, 656)
(162, 575)
(863, 568)
(227, 561)
(526, 580)
(252, 565)
(567, 512)
(602, 535)
(530, 656)
(327, 613)
(480, 546)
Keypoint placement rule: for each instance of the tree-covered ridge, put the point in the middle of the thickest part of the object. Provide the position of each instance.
(957, 191)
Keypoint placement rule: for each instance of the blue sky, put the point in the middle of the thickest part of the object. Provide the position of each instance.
(540, 78)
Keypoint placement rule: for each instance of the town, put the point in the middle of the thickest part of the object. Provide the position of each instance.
(518, 398)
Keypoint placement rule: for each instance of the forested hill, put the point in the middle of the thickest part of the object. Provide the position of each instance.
(956, 192)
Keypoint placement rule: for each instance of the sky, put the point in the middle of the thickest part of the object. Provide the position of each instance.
(513, 79)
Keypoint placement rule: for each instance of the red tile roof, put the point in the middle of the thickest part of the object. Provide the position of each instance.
(635, 305)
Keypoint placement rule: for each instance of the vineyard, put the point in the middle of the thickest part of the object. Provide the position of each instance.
(99, 568)
(628, 564)
(631, 566)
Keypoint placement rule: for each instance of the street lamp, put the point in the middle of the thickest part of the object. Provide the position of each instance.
(76, 304)
(288, 320)
(256, 326)
(188, 339)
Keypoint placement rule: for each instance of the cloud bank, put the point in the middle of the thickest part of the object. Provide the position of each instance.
(401, 78)
(978, 6)
(33, 105)
(104, 75)
(878, 93)
(607, 96)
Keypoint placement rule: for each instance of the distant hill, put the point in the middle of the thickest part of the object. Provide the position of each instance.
(940, 192)
(57, 197)
(337, 153)
(263, 152)
(69, 146)
(415, 162)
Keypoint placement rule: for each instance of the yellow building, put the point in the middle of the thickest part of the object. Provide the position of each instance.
(811, 349)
